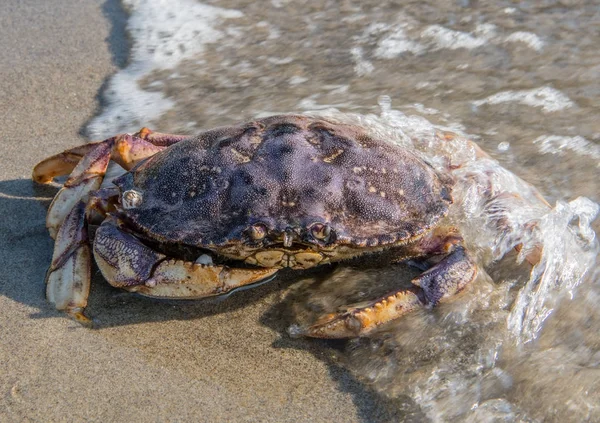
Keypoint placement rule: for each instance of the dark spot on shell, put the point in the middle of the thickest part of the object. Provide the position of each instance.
(282, 129)
(355, 183)
(310, 192)
(286, 149)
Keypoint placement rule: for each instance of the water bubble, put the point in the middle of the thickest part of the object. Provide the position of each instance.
(503, 146)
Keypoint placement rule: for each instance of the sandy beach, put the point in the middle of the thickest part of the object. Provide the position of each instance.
(520, 79)
(147, 360)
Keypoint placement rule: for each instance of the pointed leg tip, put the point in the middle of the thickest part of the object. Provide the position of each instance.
(143, 132)
(41, 179)
(78, 315)
(332, 326)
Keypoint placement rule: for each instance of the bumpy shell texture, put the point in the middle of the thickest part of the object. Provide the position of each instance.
(288, 173)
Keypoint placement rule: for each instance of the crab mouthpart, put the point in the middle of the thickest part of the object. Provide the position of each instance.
(288, 239)
(285, 258)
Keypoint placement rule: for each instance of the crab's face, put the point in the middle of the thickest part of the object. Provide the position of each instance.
(296, 248)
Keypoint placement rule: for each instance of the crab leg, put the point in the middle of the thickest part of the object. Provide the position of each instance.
(127, 263)
(68, 278)
(88, 164)
(86, 177)
(441, 281)
(160, 139)
(62, 163)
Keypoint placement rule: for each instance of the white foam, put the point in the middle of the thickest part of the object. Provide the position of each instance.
(310, 103)
(164, 33)
(422, 109)
(548, 98)
(503, 146)
(557, 144)
(396, 43)
(569, 252)
(392, 41)
(296, 80)
(444, 38)
(362, 67)
(529, 38)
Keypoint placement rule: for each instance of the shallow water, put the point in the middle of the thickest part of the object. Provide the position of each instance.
(520, 79)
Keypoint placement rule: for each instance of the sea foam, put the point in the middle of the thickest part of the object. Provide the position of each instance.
(164, 33)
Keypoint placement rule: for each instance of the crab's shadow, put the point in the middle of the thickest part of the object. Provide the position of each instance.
(371, 405)
(26, 249)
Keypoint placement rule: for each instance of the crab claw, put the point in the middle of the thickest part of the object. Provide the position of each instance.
(182, 279)
(439, 283)
(150, 273)
(360, 320)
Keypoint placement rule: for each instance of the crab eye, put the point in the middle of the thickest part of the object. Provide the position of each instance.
(257, 232)
(320, 231)
(131, 199)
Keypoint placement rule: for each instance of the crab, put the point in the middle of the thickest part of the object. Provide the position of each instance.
(198, 216)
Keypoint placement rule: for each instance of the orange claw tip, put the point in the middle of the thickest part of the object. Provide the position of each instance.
(76, 313)
(39, 176)
(143, 133)
(333, 326)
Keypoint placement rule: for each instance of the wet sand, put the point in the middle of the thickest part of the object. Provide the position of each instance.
(146, 360)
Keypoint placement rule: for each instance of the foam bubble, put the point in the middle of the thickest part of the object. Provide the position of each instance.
(557, 144)
(444, 38)
(396, 43)
(362, 67)
(529, 38)
(548, 98)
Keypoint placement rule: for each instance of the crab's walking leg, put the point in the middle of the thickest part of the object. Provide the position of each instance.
(127, 263)
(441, 281)
(86, 177)
(62, 163)
(88, 164)
(68, 278)
(159, 139)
